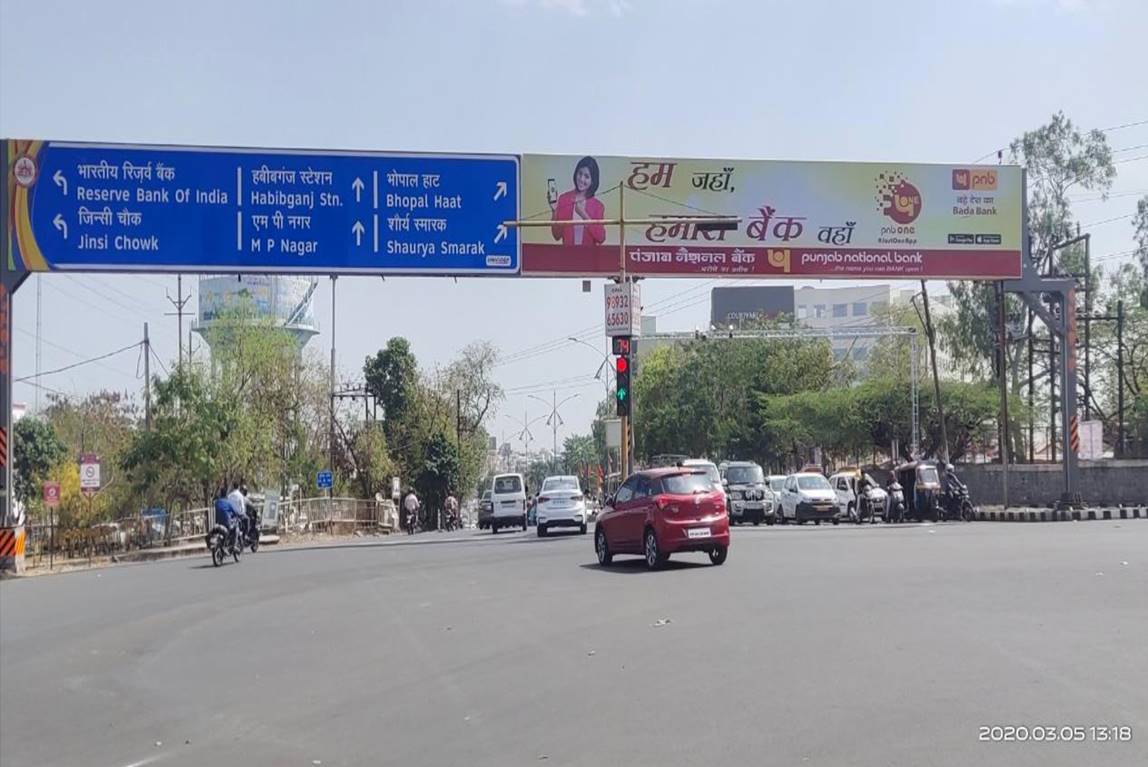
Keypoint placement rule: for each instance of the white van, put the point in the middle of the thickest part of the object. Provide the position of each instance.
(508, 501)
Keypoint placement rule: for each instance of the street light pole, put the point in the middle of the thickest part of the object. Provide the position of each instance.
(554, 419)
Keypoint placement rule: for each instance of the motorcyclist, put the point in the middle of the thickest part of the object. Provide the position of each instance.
(452, 517)
(237, 500)
(411, 507)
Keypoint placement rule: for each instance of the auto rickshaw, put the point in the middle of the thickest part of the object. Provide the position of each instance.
(922, 485)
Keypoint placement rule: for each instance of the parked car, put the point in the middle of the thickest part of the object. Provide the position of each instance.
(485, 511)
(508, 498)
(853, 505)
(561, 503)
(659, 512)
(750, 498)
(808, 496)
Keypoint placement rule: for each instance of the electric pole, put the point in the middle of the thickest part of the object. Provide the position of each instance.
(179, 302)
(147, 379)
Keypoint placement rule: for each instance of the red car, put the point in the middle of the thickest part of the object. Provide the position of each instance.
(659, 512)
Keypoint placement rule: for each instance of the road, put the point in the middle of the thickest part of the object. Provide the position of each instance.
(810, 646)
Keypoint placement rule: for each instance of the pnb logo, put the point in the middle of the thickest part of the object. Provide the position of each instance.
(779, 259)
(897, 198)
(965, 179)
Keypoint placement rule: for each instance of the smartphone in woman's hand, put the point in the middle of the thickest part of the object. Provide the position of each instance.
(551, 191)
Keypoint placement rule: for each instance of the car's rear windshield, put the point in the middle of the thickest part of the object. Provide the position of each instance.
(744, 475)
(929, 475)
(508, 484)
(560, 483)
(813, 482)
(686, 484)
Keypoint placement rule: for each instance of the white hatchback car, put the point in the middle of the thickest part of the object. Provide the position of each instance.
(561, 504)
(807, 496)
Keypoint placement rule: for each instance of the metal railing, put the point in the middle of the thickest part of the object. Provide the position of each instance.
(336, 515)
(47, 542)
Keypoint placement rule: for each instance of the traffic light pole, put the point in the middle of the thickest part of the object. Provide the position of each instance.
(624, 448)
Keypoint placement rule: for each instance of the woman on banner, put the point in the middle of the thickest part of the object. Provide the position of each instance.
(578, 204)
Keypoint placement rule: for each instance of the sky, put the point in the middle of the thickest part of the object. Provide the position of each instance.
(911, 81)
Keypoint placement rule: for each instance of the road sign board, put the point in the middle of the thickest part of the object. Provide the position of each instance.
(324, 480)
(89, 472)
(100, 207)
(623, 309)
(51, 494)
(395, 492)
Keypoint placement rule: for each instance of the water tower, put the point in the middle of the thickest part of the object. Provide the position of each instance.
(287, 301)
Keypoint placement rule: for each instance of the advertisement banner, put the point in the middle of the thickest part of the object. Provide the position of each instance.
(798, 219)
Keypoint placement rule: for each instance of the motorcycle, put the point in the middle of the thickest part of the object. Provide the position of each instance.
(221, 542)
(895, 503)
(956, 503)
(451, 522)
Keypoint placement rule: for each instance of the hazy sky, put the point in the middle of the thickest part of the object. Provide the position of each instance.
(910, 81)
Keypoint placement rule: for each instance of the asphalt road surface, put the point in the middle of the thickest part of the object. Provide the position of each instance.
(810, 646)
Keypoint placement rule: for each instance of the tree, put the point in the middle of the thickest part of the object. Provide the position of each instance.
(699, 397)
(36, 450)
(439, 474)
(581, 458)
(1140, 227)
(392, 377)
(231, 422)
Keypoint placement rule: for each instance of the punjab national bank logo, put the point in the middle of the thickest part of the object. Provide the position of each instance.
(897, 198)
(778, 258)
(980, 179)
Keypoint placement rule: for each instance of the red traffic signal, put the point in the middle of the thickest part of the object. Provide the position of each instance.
(622, 364)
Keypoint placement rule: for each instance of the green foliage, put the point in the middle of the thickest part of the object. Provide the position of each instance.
(36, 449)
(700, 398)
(581, 458)
(439, 473)
(392, 378)
(850, 423)
(1140, 227)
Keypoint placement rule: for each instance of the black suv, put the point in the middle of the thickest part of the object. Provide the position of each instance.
(750, 499)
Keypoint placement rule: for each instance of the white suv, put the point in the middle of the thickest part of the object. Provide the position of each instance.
(561, 504)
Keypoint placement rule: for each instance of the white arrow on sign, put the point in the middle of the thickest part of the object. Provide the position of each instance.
(501, 235)
(358, 185)
(500, 190)
(61, 224)
(61, 182)
(358, 229)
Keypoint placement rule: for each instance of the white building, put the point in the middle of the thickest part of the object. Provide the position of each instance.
(839, 309)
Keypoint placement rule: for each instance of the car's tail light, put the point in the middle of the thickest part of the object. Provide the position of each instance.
(544, 499)
(663, 504)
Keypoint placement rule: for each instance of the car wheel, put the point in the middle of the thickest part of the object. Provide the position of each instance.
(654, 556)
(493, 529)
(836, 521)
(718, 554)
(602, 547)
(818, 522)
(582, 529)
(541, 531)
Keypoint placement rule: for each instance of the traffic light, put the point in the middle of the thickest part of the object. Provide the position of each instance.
(622, 391)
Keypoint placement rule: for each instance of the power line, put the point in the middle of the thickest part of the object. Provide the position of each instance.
(72, 352)
(157, 359)
(1107, 221)
(78, 364)
(1124, 125)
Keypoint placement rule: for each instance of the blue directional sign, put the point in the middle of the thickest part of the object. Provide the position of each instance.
(324, 480)
(88, 207)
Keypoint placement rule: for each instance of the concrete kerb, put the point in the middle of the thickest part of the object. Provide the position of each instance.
(1062, 515)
